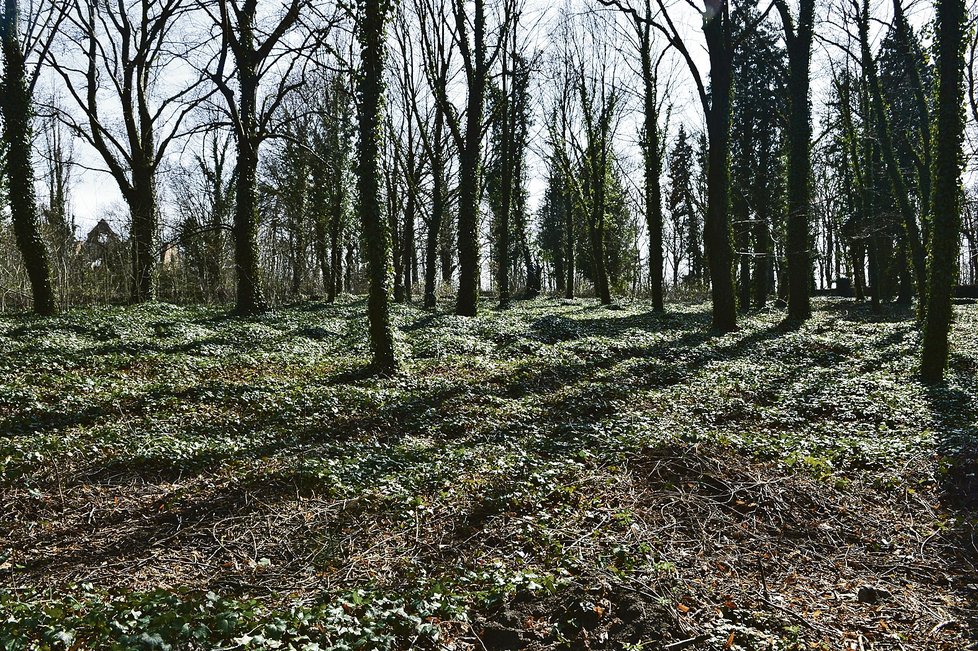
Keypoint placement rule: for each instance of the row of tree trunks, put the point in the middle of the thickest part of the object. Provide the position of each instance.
(894, 174)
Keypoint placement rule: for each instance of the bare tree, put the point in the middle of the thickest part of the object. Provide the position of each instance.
(585, 109)
(640, 16)
(437, 62)
(472, 39)
(409, 151)
(113, 65)
(252, 51)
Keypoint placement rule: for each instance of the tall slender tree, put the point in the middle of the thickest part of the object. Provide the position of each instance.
(798, 35)
(717, 29)
(946, 202)
(757, 140)
(17, 107)
(884, 134)
(433, 129)
(584, 116)
(640, 17)
(373, 16)
(133, 112)
(471, 38)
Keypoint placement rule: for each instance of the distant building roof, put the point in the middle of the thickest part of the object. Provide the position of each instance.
(101, 234)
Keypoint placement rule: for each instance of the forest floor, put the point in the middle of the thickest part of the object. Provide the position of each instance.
(556, 475)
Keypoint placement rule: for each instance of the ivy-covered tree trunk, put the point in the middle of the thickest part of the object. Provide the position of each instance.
(397, 246)
(505, 208)
(437, 214)
(798, 244)
(868, 217)
(910, 49)
(470, 173)
(595, 183)
(376, 234)
(250, 298)
(446, 249)
(569, 239)
(652, 158)
(600, 270)
(321, 248)
(17, 113)
(142, 208)
(946, 201)
(716, 228)
(336, 238)
(407, 246)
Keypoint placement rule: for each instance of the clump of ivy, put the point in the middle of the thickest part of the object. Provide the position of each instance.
(163, 620)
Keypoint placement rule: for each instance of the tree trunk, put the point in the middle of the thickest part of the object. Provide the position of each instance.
(596, 228)
(946, 201)
(741, 215)
(437, 215)
(322, 248)
(470, 162)
(376, 235)
(597, 173)
(446, 251)
(335, 284)
(393, 203)
(653, 170)
(142, 208)
(407, 244)
(569, 235)
(250, 298)
(859, 270)
(869, 221)
(798, 245)
(502, 226)
(16, 104)
(762, 265)
(716, 227)
(923, 113)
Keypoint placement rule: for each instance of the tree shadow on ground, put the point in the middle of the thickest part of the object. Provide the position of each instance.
(594, 379)
(955, 413)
